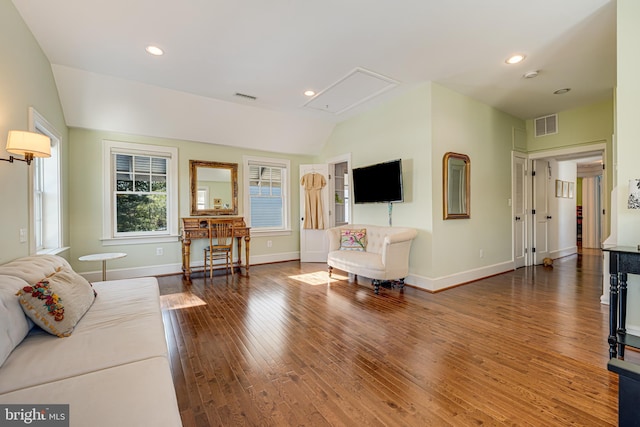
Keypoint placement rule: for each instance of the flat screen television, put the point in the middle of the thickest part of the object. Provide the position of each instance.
(379, 183)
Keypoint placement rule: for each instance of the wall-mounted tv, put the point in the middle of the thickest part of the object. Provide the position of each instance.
(379, 183)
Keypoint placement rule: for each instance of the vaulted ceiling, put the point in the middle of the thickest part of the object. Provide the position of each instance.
(354, 54)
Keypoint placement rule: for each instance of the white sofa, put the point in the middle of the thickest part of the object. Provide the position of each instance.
(113, 370)
(385, 258)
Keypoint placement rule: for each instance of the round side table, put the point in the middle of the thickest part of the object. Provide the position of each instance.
(104, 257)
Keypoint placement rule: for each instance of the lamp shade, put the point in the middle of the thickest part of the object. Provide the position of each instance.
(24, 143)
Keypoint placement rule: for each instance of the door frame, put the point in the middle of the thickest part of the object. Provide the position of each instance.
(525, 235)
(558, 153)
(332, 184)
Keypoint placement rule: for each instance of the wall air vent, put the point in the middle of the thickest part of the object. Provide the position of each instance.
(547, 125)
(245, 96)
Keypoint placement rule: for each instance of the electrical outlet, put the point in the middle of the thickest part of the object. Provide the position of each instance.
(159, 251)
(269, 243)
(481, 253)
(23, 235)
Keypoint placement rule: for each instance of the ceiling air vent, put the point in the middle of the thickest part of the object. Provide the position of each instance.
(547, 125)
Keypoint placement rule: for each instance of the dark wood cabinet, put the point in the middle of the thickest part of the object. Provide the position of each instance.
(623, 260)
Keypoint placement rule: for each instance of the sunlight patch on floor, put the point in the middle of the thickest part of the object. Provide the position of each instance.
(179, 301)
(318, 278)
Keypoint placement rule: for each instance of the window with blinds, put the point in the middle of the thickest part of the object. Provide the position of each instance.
(267, 194)
(140, 192)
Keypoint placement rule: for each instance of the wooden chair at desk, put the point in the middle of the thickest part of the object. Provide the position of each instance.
(220, 244)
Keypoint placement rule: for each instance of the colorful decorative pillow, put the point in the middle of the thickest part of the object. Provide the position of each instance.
(56, 303)
(353, 240)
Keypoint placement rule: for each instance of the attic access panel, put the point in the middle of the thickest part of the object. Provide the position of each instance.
(355, 88)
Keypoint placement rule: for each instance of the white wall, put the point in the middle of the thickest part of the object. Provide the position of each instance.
(627, 137)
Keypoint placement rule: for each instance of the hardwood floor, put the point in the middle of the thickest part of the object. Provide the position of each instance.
(284, 347)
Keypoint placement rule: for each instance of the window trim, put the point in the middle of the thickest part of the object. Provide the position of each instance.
(38, 123)
(109, 237)
(286, 191)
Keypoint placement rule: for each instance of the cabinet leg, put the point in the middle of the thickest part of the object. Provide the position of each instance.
(622, 311)
(613, 316)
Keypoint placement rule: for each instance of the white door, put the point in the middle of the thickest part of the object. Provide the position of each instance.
(313, 242)
(591, 210)
(519, 211)
(540, 210)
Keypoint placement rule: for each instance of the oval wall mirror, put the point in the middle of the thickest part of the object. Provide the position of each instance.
(214, 188)
(456, 170)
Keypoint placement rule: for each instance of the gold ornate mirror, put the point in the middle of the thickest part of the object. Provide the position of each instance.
(214, 188)
(456, 171)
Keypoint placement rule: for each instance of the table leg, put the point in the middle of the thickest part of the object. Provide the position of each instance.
(247, 240)
(186, 258)
(104, 270)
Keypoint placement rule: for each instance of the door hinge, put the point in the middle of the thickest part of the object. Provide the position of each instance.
(533, 211)
(533, 173)
(533, 250)
(604, 212)
(526, 250)
(603, 166)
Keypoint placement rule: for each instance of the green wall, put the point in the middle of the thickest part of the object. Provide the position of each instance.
(420, 127)
(463, 125)
(26, 81)
(86, 211)
(579, 128)
(398, 129)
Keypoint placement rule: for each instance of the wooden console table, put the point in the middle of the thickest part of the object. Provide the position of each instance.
(196, 228)
(623, 260)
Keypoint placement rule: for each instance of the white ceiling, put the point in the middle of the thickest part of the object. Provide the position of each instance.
(275, 50)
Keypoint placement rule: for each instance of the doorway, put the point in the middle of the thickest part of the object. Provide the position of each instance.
(341, 194)
(336, 206)
(553, 230)
(589, 209)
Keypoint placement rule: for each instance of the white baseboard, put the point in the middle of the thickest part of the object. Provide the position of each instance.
(176, 268)
(128, 273)
(633, 330)
(427, 283)
(563, 252)
(279, 257)
(444, 282)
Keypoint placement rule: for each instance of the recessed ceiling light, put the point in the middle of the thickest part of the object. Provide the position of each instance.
(562, 91)
(530, 74)
(154, 50)
(309, 93)
(515, 59)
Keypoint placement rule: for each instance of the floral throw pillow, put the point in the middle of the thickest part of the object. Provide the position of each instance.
(57, 302)
(353, 240)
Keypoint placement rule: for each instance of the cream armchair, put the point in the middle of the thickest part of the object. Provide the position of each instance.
(385, 257)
